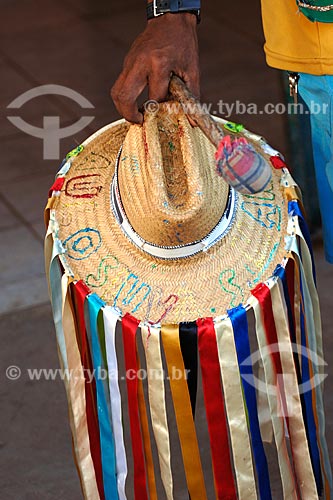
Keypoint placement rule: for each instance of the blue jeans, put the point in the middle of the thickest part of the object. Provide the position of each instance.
(317, 92)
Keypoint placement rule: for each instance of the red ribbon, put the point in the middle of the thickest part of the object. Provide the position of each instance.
(80, 293)
(129, 328)
(215, 410)
(57, 185)
(263, 295)
(277, 162)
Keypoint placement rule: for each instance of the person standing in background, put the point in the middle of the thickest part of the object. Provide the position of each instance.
(294, 42)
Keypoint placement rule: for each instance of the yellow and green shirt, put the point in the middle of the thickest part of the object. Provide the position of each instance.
(293, 42)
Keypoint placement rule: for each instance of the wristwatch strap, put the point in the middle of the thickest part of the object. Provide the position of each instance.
(158, 7)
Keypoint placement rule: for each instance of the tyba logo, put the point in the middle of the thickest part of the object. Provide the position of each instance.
(51, 132)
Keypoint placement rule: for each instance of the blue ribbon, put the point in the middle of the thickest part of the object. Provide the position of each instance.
(103, 406)
(240, 328)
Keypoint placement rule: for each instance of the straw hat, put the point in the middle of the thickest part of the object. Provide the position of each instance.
(139, 217)
(147, 224)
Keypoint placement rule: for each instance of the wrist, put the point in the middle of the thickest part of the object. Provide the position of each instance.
(181, 17)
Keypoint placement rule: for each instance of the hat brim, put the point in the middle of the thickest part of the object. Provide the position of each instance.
(97, 251)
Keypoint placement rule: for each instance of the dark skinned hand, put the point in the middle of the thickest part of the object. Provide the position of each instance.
(169, 44)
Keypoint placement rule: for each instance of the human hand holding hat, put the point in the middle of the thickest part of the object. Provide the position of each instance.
(168, 45)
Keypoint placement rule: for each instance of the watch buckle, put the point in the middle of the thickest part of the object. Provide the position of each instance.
(155, 9)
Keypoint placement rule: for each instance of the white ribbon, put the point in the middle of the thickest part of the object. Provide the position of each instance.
(156, 393)
(110, 318)
(232, 388)
(299, 443)
(77, 399)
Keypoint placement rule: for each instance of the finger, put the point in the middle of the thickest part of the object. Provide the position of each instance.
(190, 74)
(125, 92)
(192, 122)
(192, 81)
(126, 103)
(159, 85)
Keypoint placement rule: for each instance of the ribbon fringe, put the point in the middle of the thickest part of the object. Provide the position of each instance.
(288, 331)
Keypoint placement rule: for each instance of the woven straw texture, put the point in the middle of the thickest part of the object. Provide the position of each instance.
(152, 289)
(185, 198)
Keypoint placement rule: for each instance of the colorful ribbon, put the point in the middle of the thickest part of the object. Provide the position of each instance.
(183, 412)
(53, 249)
(240, 328)
(217, 424)
(80, 292)
(311, 338)
(188, 339)
(129, 327)
(233, 396)
(313, 397)
(146, 441)
(292, 301)
(298, 440)
(304, 233)
(156, 394)
(104, 417)
(110, 318)
(286, 473)
(76, 398)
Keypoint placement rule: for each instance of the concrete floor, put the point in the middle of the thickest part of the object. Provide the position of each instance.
(81, 44)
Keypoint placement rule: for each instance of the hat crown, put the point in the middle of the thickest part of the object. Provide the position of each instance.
(167, 182)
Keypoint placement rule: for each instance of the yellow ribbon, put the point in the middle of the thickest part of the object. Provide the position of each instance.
(264, 414)
(183, 412)
(297, 310)
(51, 203)
(146, 443)
(156, 394)
(234, 402)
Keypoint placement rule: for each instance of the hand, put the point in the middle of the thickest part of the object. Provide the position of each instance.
(169, 44)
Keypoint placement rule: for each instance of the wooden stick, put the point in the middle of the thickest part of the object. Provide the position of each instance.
(193, 108)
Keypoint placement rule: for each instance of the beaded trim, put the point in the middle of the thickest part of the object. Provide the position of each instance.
(318, 8)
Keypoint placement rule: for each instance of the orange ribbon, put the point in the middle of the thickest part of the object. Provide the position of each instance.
(183, 412)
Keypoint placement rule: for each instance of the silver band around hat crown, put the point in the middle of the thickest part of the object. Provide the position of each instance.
(180, 251)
